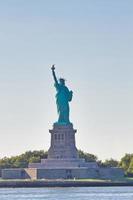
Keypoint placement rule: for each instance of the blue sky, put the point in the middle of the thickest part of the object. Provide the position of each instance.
(91, 43)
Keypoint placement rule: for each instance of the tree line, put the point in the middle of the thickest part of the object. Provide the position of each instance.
(22, 161)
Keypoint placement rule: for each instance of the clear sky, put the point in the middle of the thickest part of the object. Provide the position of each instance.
(91, 43)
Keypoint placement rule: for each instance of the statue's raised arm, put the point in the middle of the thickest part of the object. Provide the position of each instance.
(54, 75)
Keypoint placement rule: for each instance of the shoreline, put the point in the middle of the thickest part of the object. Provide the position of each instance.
(61, 183)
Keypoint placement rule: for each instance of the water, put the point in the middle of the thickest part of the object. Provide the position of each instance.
(81, 193)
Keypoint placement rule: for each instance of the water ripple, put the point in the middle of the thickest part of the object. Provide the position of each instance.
(81, 193)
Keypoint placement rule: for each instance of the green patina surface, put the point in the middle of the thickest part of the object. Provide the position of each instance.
(63, 97)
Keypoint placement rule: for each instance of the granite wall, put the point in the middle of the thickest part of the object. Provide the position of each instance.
(69, 173)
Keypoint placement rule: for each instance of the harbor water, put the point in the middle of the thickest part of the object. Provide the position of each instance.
(77, 193)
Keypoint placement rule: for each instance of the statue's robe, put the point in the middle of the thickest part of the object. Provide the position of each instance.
(63, 97)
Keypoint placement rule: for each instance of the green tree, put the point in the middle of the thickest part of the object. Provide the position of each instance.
(125, 161)
(111, 163)
(5, 163)
(22, 160)
(34, 159)
(87, 156)
(130, 169)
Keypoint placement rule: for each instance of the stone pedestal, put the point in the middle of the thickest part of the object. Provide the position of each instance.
(63, 153)
(62, 142)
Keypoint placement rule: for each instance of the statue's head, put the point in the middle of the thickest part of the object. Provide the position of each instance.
(62, 81)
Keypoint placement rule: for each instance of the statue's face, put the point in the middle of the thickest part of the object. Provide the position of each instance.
(62, 81)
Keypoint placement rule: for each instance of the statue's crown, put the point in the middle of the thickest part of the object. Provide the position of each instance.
(62, 79)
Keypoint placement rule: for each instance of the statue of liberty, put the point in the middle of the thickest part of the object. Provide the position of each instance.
(63, 97)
